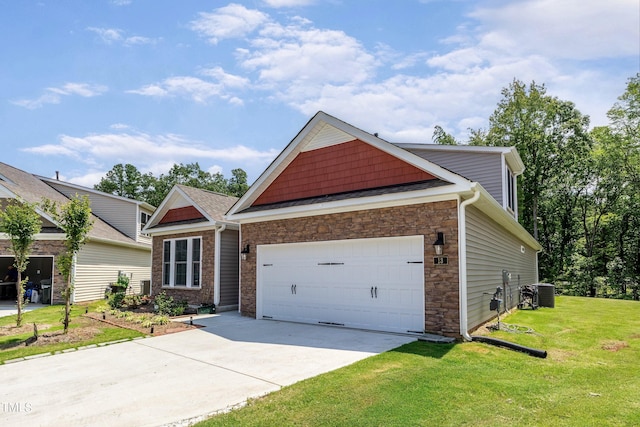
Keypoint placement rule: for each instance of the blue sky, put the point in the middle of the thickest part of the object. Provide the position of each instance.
(86, 85)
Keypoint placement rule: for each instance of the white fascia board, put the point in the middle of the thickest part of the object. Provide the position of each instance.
(160, 210)
(165, 206)
(515, 161)
(443, 193)
(187, 228)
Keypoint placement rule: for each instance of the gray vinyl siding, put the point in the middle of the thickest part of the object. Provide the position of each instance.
(121, 214)
(98, 265)
(485, 168)
(491, 249)
(229, 266)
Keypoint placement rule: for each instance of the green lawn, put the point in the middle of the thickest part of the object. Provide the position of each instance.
(49, 320)
(591, 377)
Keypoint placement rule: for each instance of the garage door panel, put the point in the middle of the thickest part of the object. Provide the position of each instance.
(366, 283)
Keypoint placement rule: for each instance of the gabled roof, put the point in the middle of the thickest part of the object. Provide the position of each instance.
(18, 184)
(324, 131)
(209, 206)
(55, 182)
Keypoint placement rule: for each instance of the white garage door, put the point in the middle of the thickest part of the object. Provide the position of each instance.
(363, 283)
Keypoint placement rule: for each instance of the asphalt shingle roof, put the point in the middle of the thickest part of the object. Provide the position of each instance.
(215, 204)
(32, 190)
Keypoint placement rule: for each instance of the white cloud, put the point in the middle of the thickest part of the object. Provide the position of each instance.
(532, 40)
(121, 2)
(119, 126)
(150, 153)
(197, 89)
(53, 95)
(215, 169)
(121, 147)
(570, 29)
(115, 35)
(297, 60)
(81, 89)
(288, 3)
(108, 35)
(231, 21)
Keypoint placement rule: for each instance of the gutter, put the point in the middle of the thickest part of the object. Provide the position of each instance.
(462, 255)
(216, 265)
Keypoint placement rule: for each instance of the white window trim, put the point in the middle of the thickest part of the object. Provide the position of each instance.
(190, 261)
(511, 197)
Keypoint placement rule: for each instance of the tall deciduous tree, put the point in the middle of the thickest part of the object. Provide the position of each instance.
(74, 218)
(21, 222)
(127, 181)
(552, 138)
(122, 180)
(623, 149)
(237, 183)
(440, 136)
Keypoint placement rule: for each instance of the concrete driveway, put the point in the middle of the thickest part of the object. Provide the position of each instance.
(179, 378)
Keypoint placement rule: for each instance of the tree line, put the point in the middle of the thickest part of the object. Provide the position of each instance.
(580, 193)
(127, 181)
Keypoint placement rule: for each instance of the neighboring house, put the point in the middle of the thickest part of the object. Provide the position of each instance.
(340, 230)
(115, 245)
(195, 251)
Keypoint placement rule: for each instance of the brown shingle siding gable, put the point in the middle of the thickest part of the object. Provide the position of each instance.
(181, 214)
(340, 168)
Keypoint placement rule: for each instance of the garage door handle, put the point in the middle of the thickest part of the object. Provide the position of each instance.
(294, 289)
(376, 291)
(372, 292)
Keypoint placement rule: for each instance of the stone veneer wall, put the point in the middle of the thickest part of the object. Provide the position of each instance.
(194, 296)
(441, 282)
(45, 248)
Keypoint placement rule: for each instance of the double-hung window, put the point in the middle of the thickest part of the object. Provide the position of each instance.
(181, 262)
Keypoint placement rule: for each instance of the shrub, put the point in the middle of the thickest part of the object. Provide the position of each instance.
(160, 320)
(166, 305)
(132, 301)
(115, 299)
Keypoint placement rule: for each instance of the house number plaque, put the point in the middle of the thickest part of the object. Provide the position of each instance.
(440, 260)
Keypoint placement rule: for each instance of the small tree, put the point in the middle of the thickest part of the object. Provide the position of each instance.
(21, 223)
(74, 218)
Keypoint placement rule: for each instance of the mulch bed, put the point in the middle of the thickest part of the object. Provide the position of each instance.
(85, 328)
(169, 328)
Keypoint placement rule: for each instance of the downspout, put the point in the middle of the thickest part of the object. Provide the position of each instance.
(462, 248)
(216, 265)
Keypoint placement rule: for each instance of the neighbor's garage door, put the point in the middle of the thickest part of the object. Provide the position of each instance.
(364, 283)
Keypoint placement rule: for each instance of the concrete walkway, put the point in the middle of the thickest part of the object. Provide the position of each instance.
(179, 378)
(8, 308)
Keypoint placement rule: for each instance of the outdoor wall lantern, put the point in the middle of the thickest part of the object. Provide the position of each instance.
(438, 245)
(244, 252)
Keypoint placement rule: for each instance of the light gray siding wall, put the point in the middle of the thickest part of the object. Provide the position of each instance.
(120, 214)
(485, 168)
(98, 265)
(491, 249)
(229, 265)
